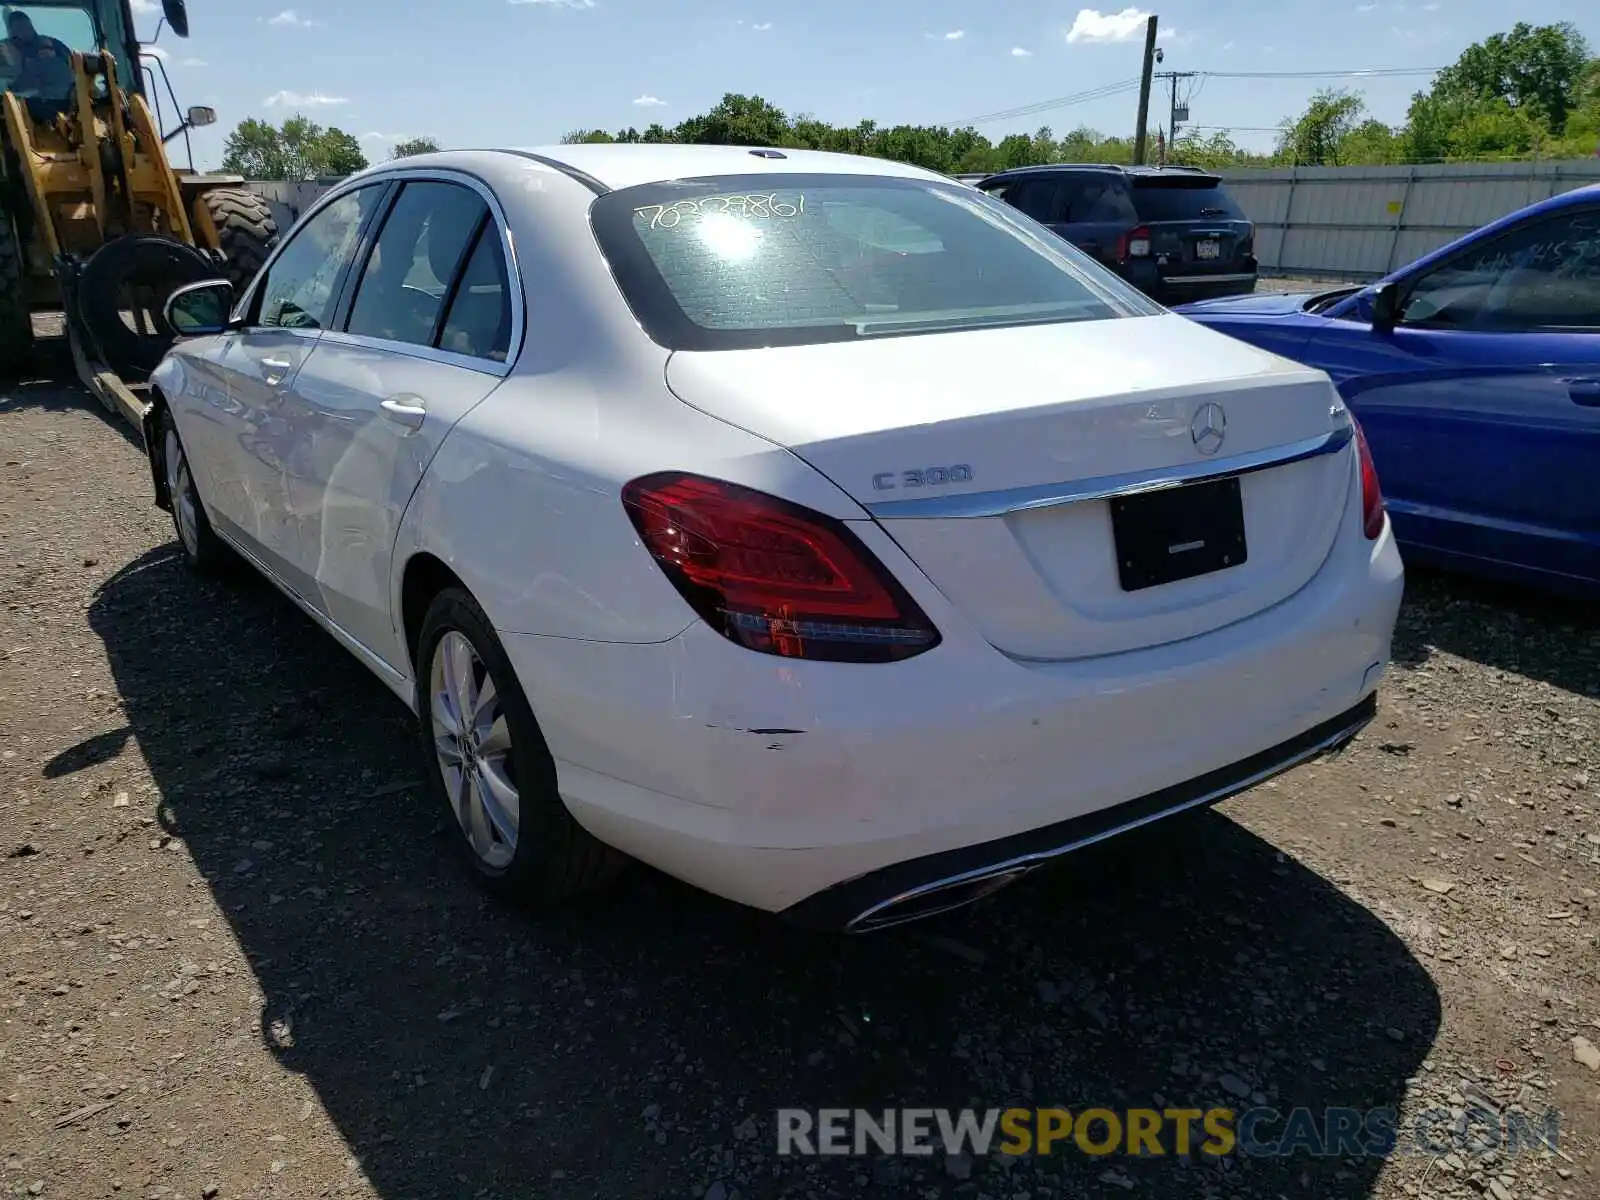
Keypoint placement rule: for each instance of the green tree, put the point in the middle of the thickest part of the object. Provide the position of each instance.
(413, 146)
(1537, 69)
(736, 120)
(1313, 139)
(299, 149)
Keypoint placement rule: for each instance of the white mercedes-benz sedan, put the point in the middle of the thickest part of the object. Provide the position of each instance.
(814, 528)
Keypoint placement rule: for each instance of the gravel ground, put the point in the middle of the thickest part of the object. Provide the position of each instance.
(237, 960)
(1284, 284)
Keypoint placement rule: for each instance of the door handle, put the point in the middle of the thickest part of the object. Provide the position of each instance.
(1585, 392)
(274, 369)
(409, 411)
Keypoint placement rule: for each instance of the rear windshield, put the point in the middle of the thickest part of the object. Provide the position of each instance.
(1183, 200)
(792, 259)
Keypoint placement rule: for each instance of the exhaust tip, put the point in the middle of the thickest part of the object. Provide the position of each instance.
(933, 899)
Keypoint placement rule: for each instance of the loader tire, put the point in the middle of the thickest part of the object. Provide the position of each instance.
(16, 318)
(151, 263)
(245, 230)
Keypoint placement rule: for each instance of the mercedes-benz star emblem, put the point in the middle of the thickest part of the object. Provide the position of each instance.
(1208, 428)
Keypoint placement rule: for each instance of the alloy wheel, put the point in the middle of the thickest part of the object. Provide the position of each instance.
(473, 744)
(180, 486)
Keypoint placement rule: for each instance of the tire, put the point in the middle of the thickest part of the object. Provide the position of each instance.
(539, 856)
(16, 318)
(146, 260)
(245, 230)
(203, 550)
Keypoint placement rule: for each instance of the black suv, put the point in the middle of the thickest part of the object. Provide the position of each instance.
(1173, 232)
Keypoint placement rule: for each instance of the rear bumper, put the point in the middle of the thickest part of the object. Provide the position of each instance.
(1170, 287)
(772, 781)
(935, 883)
(1180, 289)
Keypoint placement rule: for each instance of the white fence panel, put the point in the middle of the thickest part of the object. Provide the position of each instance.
(1363, 222)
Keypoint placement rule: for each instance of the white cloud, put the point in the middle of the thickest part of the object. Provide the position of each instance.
(154, 52)
(145, 8)
(762, 27)
(1091, 25)
(1365, 7)
(193, 62)
(303, 100)
(1020, 52)
(556, 3)
(648, 101)
(290, 19)
(375, 136)
(955, 35)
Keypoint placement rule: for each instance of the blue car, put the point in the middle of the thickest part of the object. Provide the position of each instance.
(1475, 373)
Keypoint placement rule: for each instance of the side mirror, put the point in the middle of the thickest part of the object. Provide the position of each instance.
(200, 308)
(201, 115)
(177, 17)
(1380, 306)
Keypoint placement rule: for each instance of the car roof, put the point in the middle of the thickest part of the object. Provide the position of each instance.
(620, 165)
(1148, 172)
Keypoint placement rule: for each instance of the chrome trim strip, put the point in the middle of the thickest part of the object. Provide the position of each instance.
(1028, 862)
(1104, 487)
(362, 341)
(1183, 279)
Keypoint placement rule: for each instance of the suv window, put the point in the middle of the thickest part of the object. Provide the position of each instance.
(1545, 275)
(479, 320)
(417, 253)
(1104, 199)
(299, 289)
(1070, 198)
(1183, 198)
(1045, 200)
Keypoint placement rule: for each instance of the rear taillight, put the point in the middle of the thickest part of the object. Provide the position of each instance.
(773, 576)
(1372, 508)
(1134, 244)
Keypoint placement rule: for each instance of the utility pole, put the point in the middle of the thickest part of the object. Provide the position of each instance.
(1177, 113)
(1144, 89)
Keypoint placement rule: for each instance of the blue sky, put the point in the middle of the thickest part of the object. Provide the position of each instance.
(522, 72)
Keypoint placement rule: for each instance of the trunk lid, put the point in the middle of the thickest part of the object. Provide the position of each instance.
(1196, 228)
(1037, 412)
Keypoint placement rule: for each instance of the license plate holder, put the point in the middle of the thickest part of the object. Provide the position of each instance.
(1178, 533)
(1208, 249)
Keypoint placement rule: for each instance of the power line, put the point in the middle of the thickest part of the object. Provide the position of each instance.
(1025, 110)
(1373, 71)
(1126, 85)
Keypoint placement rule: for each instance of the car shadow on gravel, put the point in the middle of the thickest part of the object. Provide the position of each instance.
(639, 1045)
(1542, 636)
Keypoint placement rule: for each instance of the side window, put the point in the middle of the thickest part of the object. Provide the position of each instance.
(1040, 199)
(422, 242)
(299, 289)
(479, 319)
(1106, 201)
(1545, 275)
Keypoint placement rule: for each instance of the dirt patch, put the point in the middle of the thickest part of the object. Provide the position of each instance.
(235, 954)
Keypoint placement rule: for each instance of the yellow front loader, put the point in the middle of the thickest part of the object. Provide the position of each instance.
(95, 222)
